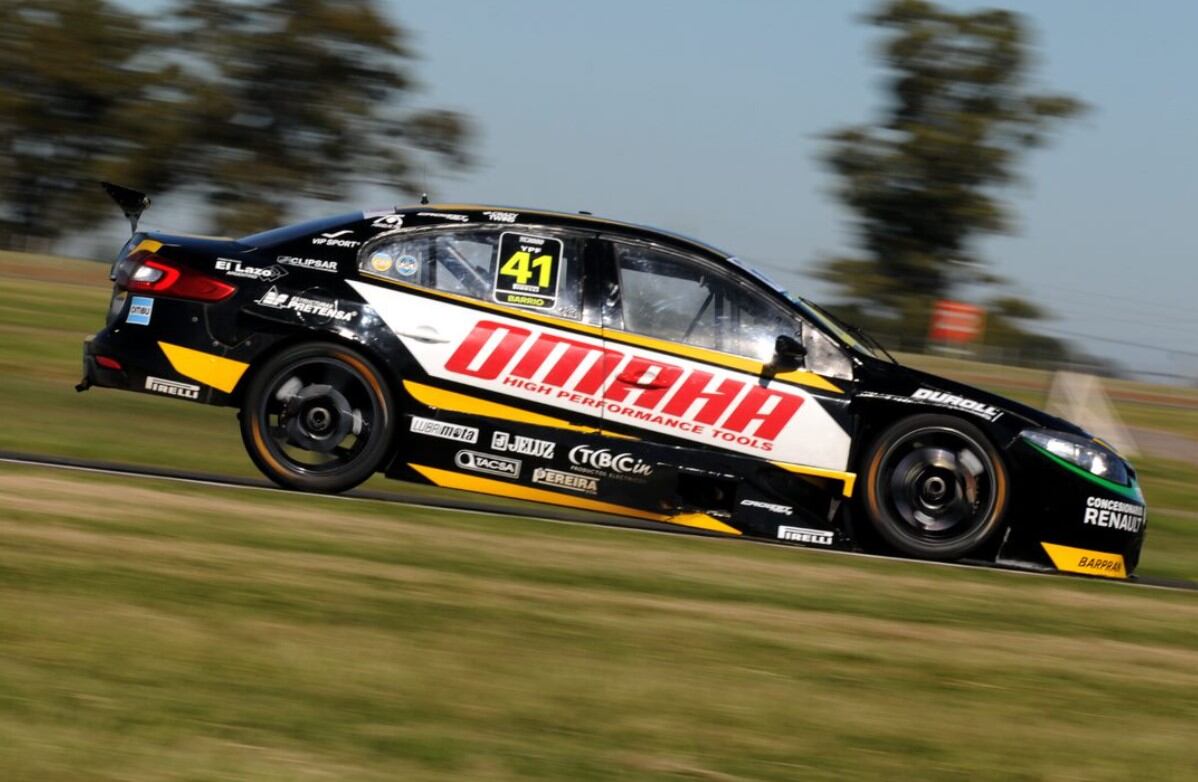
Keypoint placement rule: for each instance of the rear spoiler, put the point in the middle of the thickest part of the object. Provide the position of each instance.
(131, 202)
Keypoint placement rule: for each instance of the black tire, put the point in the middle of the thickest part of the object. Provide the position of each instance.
(317, 417)
(935, 487)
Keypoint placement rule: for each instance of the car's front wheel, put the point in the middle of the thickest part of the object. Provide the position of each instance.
(317, 417)
(935, 487)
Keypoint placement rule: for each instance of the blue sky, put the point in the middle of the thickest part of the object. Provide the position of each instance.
(705, 117)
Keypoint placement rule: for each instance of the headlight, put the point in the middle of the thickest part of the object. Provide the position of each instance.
(1087, 454)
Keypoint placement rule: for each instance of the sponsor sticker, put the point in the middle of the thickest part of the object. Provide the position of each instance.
(1080, 560)
(407, 265)
(172, 388)
(444, 430)
(336, 239)
(487, 463)
(501, 217)
(305, 305)
(388, 222)
(945, 399)
(820, 537)
(784, 510)
(566, 480)
(1114, 514)
(605, 460)
(381, 262)
(453, 218)
(314, 264)
(526, 446)
(234, 268)
(140, 310)
(528, 271)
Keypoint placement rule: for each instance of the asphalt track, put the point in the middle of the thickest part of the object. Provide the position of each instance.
(461, 501)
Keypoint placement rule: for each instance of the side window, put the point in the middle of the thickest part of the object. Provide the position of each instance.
(527, 268)
(677, 298)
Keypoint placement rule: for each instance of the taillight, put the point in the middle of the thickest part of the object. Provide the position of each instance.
(148, 273)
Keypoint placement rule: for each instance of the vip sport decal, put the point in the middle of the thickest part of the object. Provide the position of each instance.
(620, 383)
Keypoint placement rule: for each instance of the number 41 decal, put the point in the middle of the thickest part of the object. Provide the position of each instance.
(528, 271)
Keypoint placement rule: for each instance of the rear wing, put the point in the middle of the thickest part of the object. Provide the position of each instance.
(131, 202)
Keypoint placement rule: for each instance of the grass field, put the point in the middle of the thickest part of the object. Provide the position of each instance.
(199, 634)
(154, 631)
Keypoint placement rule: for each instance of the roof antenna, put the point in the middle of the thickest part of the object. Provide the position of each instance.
(424, 198)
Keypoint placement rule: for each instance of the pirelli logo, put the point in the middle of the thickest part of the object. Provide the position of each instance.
(698, 403)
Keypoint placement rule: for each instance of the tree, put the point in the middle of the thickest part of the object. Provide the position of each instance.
(76, 77)
(254, 105)
(923, 180)
(303, 99)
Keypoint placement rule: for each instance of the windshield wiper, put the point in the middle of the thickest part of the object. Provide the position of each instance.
(869, 339)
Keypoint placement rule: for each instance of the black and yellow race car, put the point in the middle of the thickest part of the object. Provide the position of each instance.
(578, 361)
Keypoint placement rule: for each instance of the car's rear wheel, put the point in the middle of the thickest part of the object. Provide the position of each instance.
(317, 417)
(935, 487)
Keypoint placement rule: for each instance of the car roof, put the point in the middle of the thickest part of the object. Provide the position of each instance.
(573, 219)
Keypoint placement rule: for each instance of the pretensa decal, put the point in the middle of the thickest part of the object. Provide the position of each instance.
(315, 264)
(528, 271)
(566, 480)
(172, 388)
(820, 537)
(784, 510)
(304, 305)
(447, 431)
(140, 310)
(525, 446)
(488, 463)
(1114, 514)
(234, 268)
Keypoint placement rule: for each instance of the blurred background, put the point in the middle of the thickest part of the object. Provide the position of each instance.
(1007, 196)
(1033, 163)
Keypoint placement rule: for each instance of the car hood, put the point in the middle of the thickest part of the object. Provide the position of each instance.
(906, 380)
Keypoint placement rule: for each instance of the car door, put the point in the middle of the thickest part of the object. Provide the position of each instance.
(693, 341)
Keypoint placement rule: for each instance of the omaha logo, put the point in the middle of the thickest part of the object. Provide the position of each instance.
(696, 402)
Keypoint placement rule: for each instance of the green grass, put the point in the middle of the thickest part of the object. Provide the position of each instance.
(153, 631)
(199, 634)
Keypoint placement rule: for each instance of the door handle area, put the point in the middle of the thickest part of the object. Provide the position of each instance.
(630, 380)
(423, 334)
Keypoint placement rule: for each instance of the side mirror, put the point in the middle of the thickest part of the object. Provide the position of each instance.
(788, 355)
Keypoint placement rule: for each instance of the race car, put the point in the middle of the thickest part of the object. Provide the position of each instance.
(584, 362)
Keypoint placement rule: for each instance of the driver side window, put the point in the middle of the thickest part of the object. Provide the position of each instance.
(681, 299)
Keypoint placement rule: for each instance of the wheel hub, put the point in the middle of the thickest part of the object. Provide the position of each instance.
(318, 418)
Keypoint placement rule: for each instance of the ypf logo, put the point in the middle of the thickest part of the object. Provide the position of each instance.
(605, 459)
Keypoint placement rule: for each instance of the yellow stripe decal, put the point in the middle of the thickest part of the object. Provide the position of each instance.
(216, 371)
(1080, 560)
(848, 478)
(149, 245)
(798, 377)
(455, 480)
